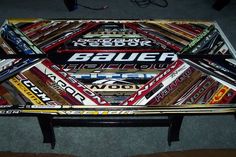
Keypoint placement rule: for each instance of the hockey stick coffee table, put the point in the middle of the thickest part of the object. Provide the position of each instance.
(115, 72)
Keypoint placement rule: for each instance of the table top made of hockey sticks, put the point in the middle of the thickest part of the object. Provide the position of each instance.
(115, 67)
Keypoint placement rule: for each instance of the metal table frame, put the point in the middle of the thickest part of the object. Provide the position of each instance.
(48, 122)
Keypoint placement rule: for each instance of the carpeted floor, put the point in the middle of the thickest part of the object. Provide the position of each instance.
(24, 135)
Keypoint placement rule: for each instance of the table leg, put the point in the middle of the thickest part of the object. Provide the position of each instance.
(174, 128)
(46, 125)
